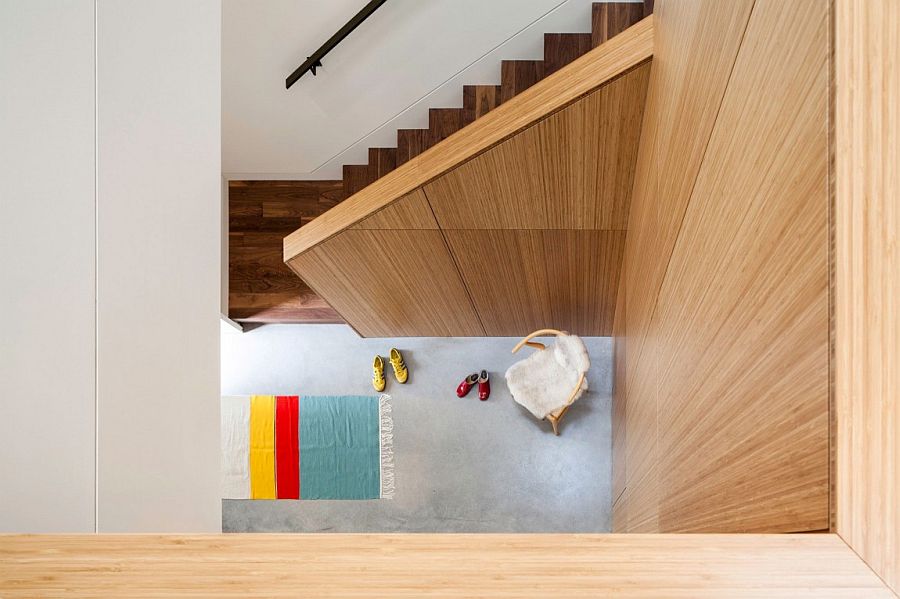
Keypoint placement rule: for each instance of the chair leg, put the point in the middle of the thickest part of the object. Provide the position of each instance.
(555, 423)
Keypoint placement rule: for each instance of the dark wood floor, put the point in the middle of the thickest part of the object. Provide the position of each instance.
(261, 289)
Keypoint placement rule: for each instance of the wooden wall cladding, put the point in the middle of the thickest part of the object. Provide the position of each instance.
(726, 283)
(408, 212)
(524, 280)
(391, 283)
(261, 288)
(572, 170)
(867, 281)
(528, 234)
(619, 405)
(596, 68)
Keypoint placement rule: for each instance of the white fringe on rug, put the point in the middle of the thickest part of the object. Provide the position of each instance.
(386, 434)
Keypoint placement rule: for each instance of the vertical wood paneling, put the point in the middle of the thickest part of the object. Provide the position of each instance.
(571, 170)
(743, 311)
(867, 284)
(726, 274)
(385, 283)
(699, 40)
(619, 407)
(523, 280)
(261, 288)
(409, 212)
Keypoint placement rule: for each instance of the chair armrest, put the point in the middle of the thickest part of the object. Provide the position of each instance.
(575, 390)
(540, 333)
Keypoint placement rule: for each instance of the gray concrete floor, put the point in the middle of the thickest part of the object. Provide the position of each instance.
(461, 465)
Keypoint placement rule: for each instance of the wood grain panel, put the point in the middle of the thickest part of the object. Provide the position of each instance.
(409, 212)
(743, 311)
(391, 283)
(699, 40)
(572, 170)
(726, 274)
(525, 280)
(426, 565)
(620, 513)
(641, 445)
(867, 283)
(261, 288)
(638, 427)
(619, 407)
(623, 52)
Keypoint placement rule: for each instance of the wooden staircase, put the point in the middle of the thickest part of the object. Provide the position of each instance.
(607, 20)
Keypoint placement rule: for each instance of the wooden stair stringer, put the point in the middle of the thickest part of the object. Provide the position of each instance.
(598, 66)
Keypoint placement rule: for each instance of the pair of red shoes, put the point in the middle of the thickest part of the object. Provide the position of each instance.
(484, 385)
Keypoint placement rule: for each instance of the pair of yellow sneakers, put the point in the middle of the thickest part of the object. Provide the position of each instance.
(399, 366)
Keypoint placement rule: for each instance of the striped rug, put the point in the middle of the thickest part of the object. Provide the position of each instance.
(309, 447)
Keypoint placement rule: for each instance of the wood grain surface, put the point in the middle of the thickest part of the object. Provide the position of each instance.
(261, 288)
(600, 65)
(867, 284)
(408, 212)
(392, 283)
(325, 566)
(572, 170)
(524, 280)
(726, 263)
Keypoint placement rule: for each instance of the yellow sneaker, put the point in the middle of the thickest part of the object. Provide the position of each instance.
(378, 374)
(400, 370)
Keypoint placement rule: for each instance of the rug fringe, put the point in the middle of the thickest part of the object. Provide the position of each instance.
(386, 430)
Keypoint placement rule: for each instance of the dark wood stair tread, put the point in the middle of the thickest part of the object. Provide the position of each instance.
(609, 19)
(356, 177)
(562, 48)
(518, 75)
(411, 143)
(478, 100)
(381, 162)
(444, 122)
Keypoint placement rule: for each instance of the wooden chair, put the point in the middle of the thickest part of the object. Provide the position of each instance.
(568, 374)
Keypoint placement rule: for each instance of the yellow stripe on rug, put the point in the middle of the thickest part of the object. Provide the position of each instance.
(262, 447)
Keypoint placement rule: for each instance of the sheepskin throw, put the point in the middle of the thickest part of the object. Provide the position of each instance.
(543, 381)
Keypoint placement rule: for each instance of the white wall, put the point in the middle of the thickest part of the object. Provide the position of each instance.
(407, 57)
(47, 265)
(156, 270)
(159, 205)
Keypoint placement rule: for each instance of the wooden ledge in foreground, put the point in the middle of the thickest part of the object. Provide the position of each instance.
(446, 565)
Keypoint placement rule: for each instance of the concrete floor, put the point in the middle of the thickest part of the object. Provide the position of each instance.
(461, 465)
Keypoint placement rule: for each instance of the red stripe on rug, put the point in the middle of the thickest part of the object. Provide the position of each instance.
(287, 448)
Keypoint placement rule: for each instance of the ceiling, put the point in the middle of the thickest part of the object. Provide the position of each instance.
(403, 52)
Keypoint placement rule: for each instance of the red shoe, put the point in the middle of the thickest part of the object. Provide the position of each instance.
(466, 385)
(484, 386)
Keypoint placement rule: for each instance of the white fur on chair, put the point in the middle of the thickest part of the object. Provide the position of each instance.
(543, 382)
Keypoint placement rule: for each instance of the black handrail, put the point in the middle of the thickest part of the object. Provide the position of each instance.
(315, 60)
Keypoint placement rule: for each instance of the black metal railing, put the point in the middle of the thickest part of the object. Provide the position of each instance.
(315, 61)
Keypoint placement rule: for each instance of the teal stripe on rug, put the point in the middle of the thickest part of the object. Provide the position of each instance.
(339, 448)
